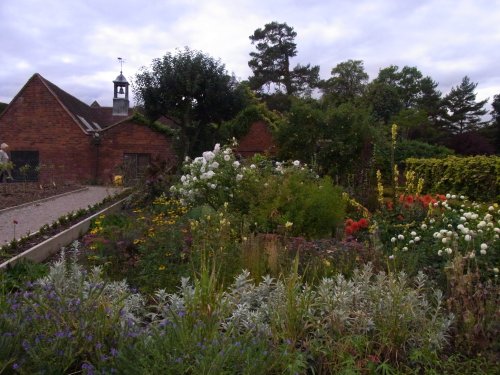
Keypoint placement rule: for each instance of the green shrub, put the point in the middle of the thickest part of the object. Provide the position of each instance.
(303, 207)
(477, 177)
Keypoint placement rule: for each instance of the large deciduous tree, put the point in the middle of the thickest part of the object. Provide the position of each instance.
(194, 90)
(462, 112)
(271, 65)
(347, 83)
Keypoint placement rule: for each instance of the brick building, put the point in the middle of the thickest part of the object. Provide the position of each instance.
(63, 139)
(258, 140)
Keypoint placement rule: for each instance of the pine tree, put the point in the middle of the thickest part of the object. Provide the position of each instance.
(462, 112)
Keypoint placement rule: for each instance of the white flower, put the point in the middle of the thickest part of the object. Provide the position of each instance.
(239, 177)
(236, 164)
(413, 234)
(483, 252)
(467, 237)
(207, 175)
(208, 155)
(432, 221)
(444, 240)
(417, 239)
(474, 216)
(212, 186)
(423, 226)
(217, 148)
(440, 252)
(401, 237)
(393, 239)
(448, 196)
(496, 270)
(296, 163)
(214, 165)
(253, 166)
(405, 248)
(484, 246)
(472, 255)
(453, 196)
(491, 208)
(411, 242)
(481, 224)
(448, 250)
(391, 257)
(227, 157)
(462, 197)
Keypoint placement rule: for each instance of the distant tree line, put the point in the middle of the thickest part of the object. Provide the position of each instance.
(340, 124)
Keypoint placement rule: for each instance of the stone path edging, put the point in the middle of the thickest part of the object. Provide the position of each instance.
(43, 250)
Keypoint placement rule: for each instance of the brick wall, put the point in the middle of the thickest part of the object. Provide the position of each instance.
(258, 140)
(129, 137)
(35, 121)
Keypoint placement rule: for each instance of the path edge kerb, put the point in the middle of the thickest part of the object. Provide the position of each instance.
(43, 250)
(42, 200)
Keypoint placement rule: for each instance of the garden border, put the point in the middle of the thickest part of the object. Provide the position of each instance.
(45, 249)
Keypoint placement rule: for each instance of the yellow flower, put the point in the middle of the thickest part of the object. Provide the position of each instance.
(288, 224)
(326, 262)
(118, 180)
(161, 268)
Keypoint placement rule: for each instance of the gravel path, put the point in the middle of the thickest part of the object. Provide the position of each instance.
(32, 217)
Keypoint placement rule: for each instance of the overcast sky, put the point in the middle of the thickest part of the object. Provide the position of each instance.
(75, 43)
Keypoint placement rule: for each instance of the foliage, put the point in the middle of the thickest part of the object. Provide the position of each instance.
(334, 141)
(192, 89)
(302, 206)
(462, 112)
(275, 45)
(15, 277)
(463, 175)
(240, 125)
(348, 82)
(67, 321)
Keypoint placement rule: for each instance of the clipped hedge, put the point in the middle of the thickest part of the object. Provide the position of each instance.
(477, 177)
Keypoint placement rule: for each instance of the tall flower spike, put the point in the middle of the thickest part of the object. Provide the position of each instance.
(394, 134)
(380, 188)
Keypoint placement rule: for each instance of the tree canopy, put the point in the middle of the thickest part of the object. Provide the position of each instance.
(462, 112)
(271, 66)
(194, 90)
(347, 83)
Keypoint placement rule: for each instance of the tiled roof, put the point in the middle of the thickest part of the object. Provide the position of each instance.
(89, 118)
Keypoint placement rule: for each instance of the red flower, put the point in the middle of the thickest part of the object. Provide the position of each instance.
(15, 222)
(401, 217)
(355, 226)
(349, 222)
(389, 206)
(348, 230)
(363, 223)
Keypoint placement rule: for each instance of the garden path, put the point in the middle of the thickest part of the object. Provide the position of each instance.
(31, 217)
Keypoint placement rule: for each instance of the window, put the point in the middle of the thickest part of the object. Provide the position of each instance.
(26, 165)
(134, 166)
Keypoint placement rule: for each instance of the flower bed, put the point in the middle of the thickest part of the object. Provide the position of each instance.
(235, 281)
